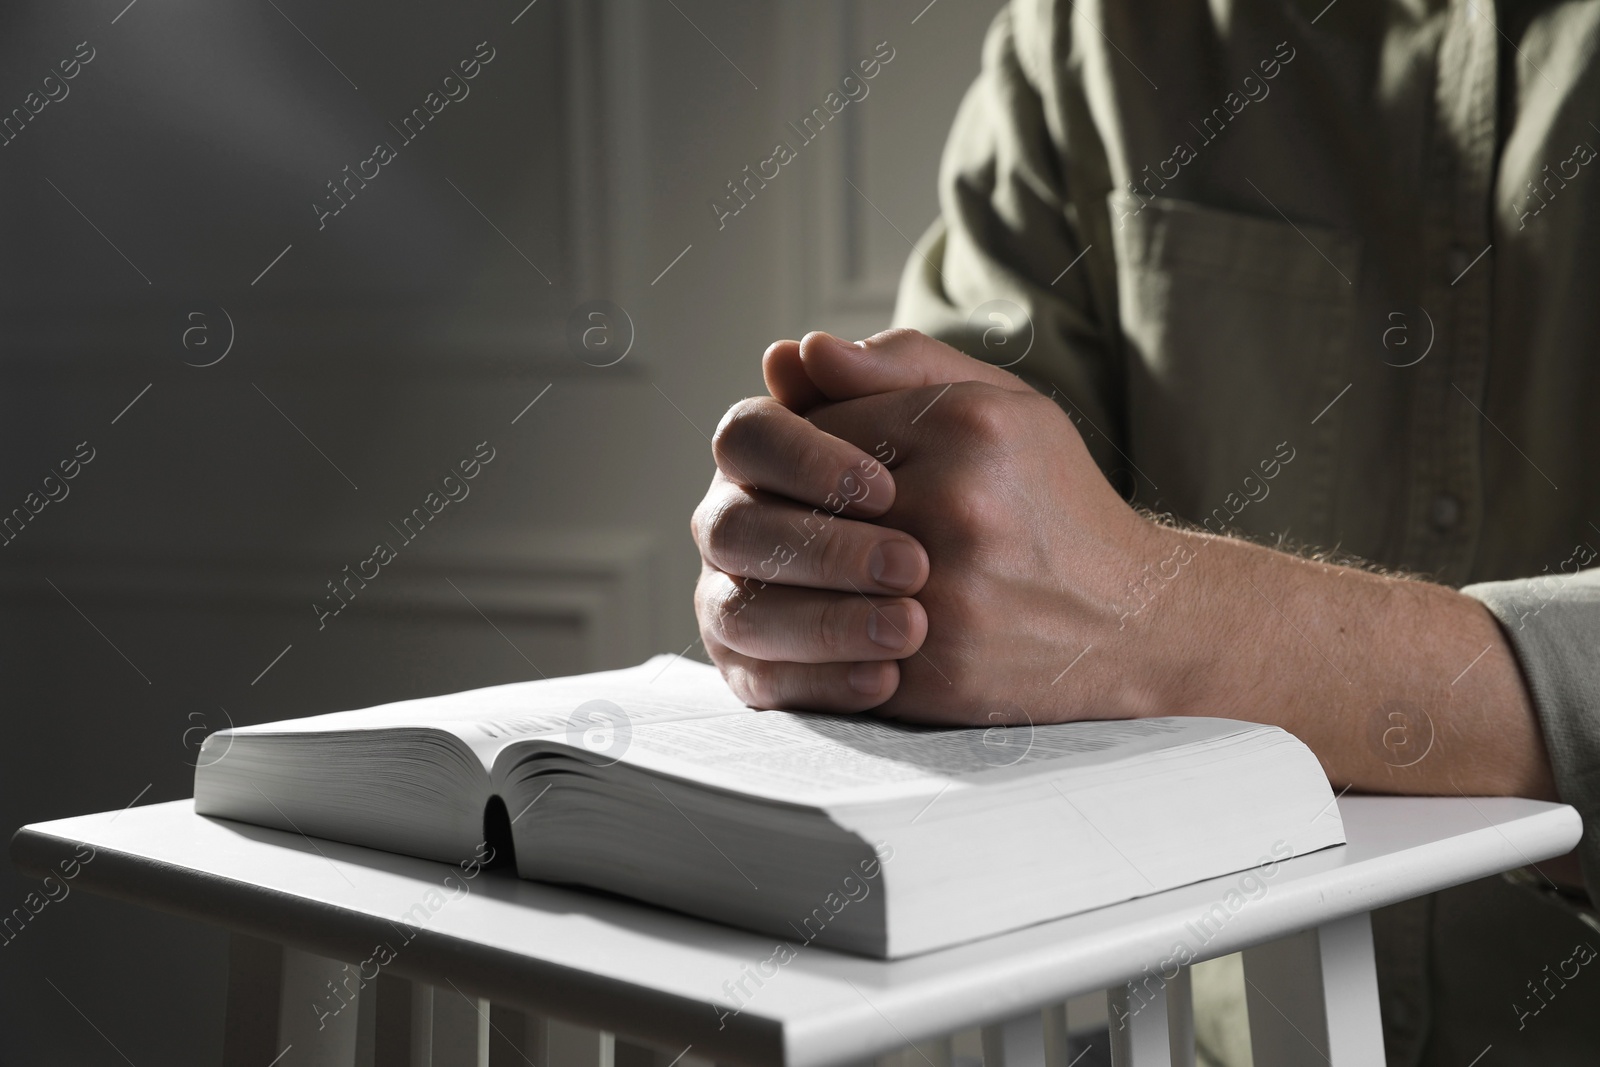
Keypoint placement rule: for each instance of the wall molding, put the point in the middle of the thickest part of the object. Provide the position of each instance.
(602, 582)
(825, 223)
(354, 343)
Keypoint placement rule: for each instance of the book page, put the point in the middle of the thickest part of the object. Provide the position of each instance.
(581, 707)
(825, 759)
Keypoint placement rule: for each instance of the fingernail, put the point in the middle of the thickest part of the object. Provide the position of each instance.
(866, 678)
(894, 564)
(888, 626)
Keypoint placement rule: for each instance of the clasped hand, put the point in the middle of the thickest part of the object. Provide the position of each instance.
(903, 528)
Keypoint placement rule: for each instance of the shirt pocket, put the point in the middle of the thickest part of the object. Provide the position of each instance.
(1238, 331)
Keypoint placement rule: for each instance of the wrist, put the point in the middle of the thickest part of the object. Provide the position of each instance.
(1233, 638)
(1162, 626)
(1256, 631)
(1197, 645)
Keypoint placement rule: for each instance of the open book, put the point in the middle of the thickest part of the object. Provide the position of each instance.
(656, 782)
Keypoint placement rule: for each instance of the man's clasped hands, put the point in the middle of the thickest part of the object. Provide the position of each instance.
(901, 527)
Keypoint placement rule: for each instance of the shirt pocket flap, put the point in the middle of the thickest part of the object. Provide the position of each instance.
(1237, 330)
(1175, 235)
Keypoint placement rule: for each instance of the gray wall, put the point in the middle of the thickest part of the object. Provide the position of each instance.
(138, 213)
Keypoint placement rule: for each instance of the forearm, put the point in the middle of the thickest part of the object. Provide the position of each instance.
(1398, 686)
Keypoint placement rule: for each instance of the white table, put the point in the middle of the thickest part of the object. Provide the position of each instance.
(566, 969)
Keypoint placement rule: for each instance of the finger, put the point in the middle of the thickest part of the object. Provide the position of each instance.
(893, 359)
(936, 420)
(761, 444)
(785, 624)
(835, 687)
(758, 535)
(786, 377)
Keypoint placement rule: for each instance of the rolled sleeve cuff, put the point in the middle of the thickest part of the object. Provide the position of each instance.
(1553, 624)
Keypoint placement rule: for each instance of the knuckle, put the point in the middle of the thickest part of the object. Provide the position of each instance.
(705, 586)
(727, 530)
(706, 592)
(831, 558)
(810, 453)
(982, 412)
(735, 624)
(703, 517)
(983, 501)
(831, 622)
(816, 688)
(720, 604)
(965, 506)
(760, 685)
(897, 335)
(740, 428)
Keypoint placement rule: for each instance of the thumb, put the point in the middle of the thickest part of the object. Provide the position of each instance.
(893, 360)
(787, 380)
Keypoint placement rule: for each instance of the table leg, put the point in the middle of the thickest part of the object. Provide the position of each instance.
(1316, 988)
(367, 1026)
(318, 1011)
(1138, 1022)
(250, 1027)
(516, 1039)
(570, 1045)
(933, 1052)
(1016, 1042)
(448, 1028)
(1180, 1019)
(1056, 1032)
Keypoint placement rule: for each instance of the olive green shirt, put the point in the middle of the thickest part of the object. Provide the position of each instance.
(1365, 233)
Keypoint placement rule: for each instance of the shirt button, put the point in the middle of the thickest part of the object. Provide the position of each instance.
(1444, 512)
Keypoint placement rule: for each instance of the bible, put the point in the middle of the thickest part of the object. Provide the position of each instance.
(851, 832)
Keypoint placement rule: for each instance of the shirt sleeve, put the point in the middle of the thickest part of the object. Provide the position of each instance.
(1004, 273)
(1553, 624)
